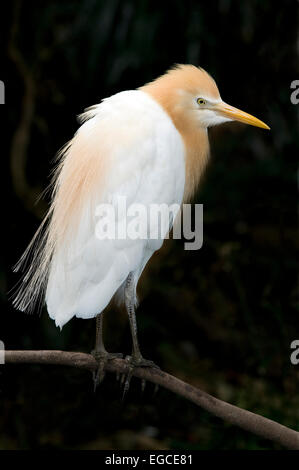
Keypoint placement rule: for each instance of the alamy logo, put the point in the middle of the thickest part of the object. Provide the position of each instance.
(119, 221)
(2, 352)
(295, 94)
(2, 92)
(295, 354)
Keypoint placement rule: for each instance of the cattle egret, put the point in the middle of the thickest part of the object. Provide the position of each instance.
(149, 146)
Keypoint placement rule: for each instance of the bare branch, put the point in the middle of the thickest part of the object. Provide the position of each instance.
(256, 424)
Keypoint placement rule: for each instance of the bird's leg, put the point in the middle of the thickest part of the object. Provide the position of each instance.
(100, 354)
(136, 359)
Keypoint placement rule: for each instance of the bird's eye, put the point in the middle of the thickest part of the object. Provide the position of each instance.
(201, 101)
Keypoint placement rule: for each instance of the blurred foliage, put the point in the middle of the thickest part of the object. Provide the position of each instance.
(221, 318)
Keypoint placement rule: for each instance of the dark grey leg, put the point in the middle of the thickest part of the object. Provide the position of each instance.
(136, 354)
(100, 354)
(136, 359)
(99, 344)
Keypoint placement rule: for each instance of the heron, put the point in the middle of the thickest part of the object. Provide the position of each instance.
(150, 146)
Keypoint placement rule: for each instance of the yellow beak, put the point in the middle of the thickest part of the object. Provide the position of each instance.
(237, 115)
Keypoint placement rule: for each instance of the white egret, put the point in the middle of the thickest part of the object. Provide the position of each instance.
(149, 146)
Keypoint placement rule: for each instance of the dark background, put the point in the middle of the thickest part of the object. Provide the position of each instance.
(221, 318)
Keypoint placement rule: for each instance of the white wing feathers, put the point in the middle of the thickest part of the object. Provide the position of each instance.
(134, 152)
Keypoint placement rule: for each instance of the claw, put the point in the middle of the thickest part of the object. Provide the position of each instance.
(98, 377)
(127, 382)
(99, 374)
(122, 379)
(135, 362)
(102, 357)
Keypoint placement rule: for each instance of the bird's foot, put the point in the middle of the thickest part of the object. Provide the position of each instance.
(136, 361)
(102, 357)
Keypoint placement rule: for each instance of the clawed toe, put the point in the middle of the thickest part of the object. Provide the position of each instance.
(134, 362)
(141, 362)
(115, 356)
(102, 357)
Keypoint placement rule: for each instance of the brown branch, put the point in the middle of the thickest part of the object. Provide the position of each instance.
(254, 423)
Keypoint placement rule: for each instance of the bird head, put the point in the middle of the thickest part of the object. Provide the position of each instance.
(190, 95)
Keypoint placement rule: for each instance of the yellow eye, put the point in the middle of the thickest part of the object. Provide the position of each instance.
(201, 101)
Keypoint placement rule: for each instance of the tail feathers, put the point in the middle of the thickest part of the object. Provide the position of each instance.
(29, 292)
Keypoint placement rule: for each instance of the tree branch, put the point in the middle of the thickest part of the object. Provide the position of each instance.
(256, 424)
